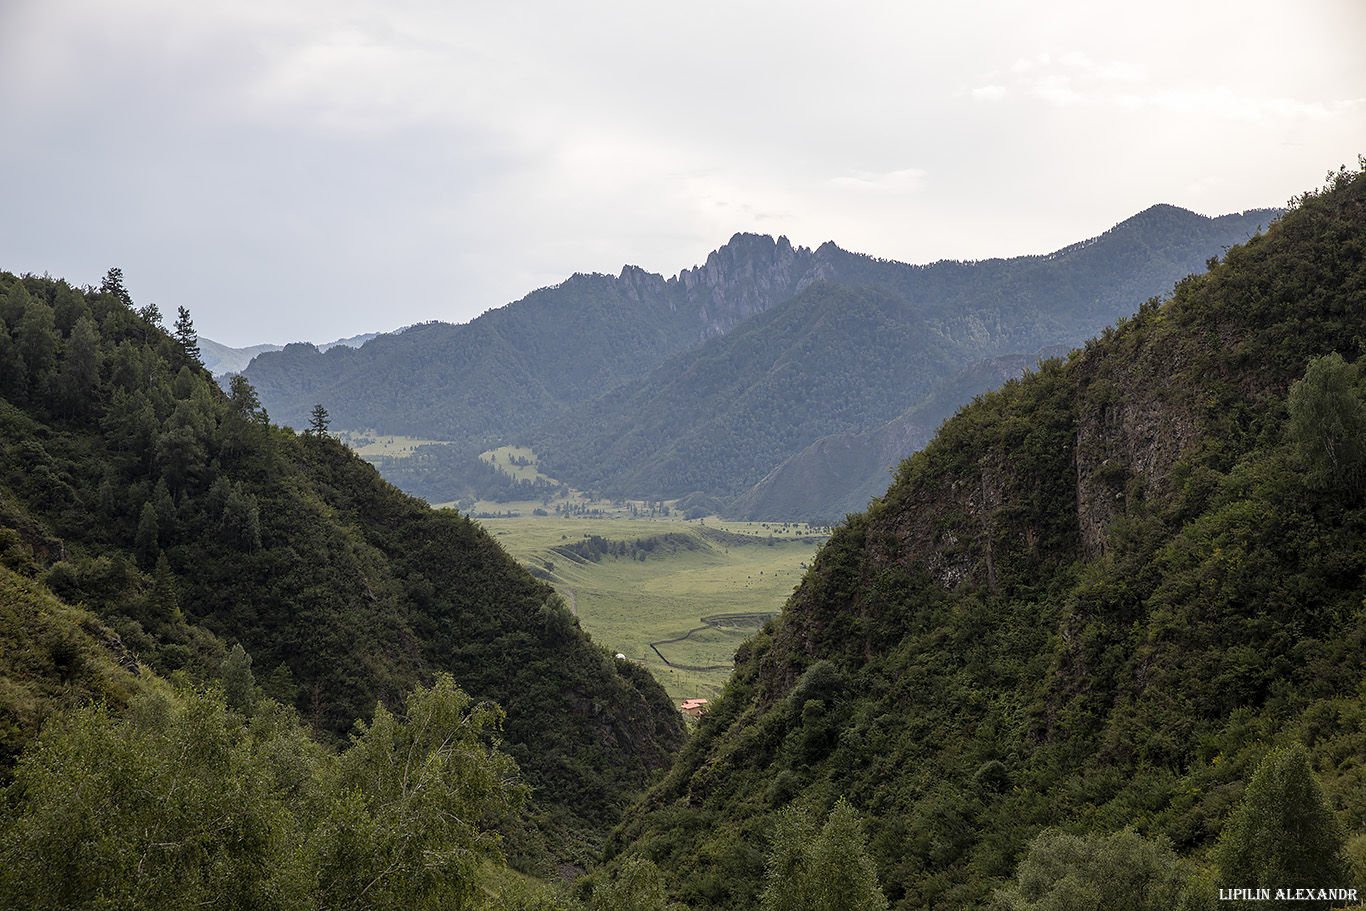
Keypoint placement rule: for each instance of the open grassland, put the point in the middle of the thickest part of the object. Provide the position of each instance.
(368, 444)
(648, 602)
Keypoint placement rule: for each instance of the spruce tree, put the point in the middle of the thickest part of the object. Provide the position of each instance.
(186, 336)
(239, 685)
(113, 285)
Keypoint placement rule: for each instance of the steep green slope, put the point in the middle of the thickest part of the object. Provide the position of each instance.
(52, 657)
(185, 522)
(839, 474)
(1097, 599)
(831, 360)
(855, 350)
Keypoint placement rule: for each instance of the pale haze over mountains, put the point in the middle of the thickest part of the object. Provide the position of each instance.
(314, 170)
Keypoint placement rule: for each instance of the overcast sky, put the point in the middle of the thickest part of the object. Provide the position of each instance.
(312, 169)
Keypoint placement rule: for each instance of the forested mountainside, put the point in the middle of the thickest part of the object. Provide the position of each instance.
(184, 523)
(1098, 599)
(839, 474)
(854, 350)
(520, 364)
(524, 364)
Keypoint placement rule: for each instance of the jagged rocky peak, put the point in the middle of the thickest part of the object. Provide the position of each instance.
(637, 284)
(746, 276)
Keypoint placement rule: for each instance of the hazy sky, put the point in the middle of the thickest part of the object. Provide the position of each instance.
(310, 169)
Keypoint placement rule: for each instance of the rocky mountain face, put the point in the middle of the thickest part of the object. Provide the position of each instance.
(751, 273)
(850, 352)
(527, 361)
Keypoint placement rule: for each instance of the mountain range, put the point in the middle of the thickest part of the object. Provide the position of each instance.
(222, 359)
(640, 386)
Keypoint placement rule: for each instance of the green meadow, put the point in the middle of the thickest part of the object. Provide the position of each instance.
(368, 444)
(650, 606)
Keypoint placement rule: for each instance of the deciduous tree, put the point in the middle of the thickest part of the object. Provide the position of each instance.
(1284, 836)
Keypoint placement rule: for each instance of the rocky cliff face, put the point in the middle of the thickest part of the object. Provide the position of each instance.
(747, 276)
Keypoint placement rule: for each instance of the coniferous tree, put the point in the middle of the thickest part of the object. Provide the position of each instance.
(244, 399)
(80, 372)
(38, 339)
(239, 685)
(164, 605)
(113, 284)
(147, 541)
(317, 425)
(185, 335)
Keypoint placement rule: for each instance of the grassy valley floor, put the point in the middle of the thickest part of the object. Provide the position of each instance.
(651, 607)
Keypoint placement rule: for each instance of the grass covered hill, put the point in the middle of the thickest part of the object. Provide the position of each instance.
(1098, 599)
(857, 348)
(183, 522)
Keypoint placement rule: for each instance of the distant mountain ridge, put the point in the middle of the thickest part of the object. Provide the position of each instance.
(608, 375)
(525, 362)
(220, 359)
(855, 349)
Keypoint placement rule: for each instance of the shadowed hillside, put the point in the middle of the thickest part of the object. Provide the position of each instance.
(839, 474)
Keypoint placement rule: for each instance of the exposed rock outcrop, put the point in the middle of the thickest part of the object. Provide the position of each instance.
(748, 275)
